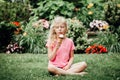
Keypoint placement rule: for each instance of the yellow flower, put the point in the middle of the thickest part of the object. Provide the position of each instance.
(77, 9)
(90, 12)
(36, 24)
(16, 32)
(105, 27)
(118, 5)
(24, 34)
(90, 5)
(19, 29)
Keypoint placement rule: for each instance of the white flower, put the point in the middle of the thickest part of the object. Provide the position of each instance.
(99, 24)
(91, 25)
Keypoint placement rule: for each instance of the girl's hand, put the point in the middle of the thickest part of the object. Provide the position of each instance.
(66, 67)
(58, 44)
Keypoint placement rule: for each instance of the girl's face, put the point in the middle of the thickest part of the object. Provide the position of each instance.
(60, 29)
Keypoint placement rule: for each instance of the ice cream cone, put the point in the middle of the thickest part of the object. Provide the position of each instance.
(61, 37)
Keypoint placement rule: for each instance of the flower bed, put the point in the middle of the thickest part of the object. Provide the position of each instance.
(96, 49)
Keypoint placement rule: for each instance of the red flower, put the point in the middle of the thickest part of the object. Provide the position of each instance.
(16, 23)
(18, 28)
(100, 46)
(96, 49)
(88, 49)
(104, 50)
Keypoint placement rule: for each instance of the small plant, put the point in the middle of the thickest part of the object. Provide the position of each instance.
(34, 36)
(77, 32)
(109, 40)
(13, 48)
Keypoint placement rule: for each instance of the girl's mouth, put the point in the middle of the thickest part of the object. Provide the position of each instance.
(60, 33)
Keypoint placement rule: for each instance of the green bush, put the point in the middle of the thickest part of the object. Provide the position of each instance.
(88, 10)
(14, 12)
(69, 9)
(48, 9)
(33, 39)
(77, 32)
(109, 40)
(118, 32)
(112, 15)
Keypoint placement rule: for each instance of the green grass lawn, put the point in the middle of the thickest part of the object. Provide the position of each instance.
(34, 67)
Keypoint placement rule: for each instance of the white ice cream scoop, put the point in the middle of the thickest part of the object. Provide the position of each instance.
(61, 36)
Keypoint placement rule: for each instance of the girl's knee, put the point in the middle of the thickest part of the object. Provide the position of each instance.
(50, 68)
(84, 64)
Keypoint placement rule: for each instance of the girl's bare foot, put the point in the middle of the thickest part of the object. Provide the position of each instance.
(83, 73)
(56, 75)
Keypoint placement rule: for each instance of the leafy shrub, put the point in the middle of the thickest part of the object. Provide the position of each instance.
(87, 10)
(77, 32)
(112, 13)
(118, 33)
(48, 9)
(33, 39)
(14, 12)
(112, 16)
(109, 40)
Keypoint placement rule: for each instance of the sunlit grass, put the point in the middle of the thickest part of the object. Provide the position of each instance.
(34, 67)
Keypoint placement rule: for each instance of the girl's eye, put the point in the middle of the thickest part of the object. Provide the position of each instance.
(56, 26)
(59, 27)
(62, 26)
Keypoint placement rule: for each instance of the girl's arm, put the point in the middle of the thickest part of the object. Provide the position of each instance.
(70, 61)
(52, 53)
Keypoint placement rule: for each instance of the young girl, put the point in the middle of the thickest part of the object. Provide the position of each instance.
(61, 50)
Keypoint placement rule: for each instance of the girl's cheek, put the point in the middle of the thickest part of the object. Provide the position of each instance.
(64, 31)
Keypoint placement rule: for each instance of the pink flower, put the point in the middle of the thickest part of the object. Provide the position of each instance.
(44, 23)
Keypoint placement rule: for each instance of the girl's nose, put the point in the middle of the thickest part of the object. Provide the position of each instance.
(59, 28)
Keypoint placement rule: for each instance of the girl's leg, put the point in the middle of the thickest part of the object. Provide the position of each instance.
(77, 67)
(55, 70)
(58, 71)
